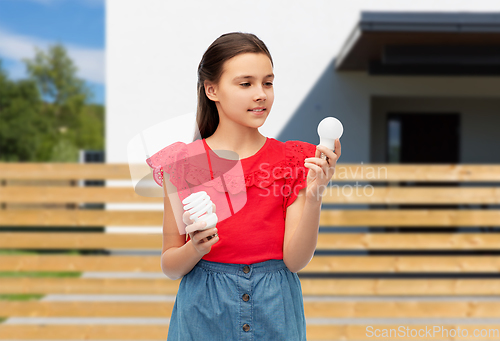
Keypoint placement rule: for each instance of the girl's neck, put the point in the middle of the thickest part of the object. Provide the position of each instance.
(244, 145)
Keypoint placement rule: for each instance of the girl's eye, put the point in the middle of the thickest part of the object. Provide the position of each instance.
(268, 84)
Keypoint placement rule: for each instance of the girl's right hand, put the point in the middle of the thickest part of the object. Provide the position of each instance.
(202, 240)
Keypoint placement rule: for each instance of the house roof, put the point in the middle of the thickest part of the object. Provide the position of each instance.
(423, 43)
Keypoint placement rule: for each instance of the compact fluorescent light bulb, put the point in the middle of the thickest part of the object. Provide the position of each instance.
(329, 129)
(199, 206)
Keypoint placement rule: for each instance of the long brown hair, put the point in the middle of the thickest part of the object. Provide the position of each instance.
(210, 68)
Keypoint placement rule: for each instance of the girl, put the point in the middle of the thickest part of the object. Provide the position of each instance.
(242, 285)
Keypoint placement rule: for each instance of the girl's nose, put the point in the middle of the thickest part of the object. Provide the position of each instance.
(261, 95)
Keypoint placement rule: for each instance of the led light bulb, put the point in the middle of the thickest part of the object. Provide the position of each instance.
(329, 129)
(200, 207)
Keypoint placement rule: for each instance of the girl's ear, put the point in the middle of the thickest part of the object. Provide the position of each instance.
(211, 91)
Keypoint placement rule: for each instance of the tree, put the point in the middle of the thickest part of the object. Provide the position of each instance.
(91, 127)
(66, 96)
(46, 117)
(55, 73)
(25, 135)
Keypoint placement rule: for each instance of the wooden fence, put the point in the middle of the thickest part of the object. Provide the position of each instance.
(377, 273)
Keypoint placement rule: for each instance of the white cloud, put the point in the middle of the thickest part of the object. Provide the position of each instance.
(90, 62)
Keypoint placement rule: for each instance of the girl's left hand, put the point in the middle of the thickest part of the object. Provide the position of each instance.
(320, 171)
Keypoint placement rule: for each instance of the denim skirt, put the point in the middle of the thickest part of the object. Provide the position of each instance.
(223, 301)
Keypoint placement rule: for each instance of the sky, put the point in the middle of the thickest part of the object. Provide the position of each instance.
(77, 24)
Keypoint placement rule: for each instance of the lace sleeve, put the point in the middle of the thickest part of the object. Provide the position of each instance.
(296, 152)
(172, 160)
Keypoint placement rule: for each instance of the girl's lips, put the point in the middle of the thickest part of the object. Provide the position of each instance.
(258, 113)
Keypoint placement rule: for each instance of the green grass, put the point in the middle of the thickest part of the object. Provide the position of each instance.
(20, 297)
(18, 252)
(32, 274)
(39, 274)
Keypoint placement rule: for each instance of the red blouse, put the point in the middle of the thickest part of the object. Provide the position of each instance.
(251, 194)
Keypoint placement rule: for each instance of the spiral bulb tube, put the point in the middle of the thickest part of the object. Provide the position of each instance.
(199, 207)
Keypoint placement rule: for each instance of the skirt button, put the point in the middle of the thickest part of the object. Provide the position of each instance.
(246, 327)
(246, 269)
